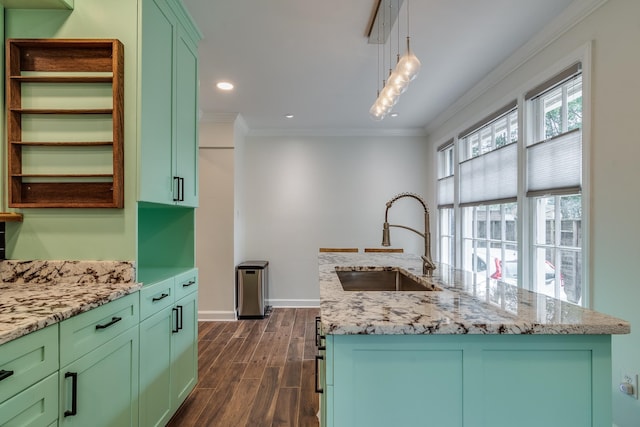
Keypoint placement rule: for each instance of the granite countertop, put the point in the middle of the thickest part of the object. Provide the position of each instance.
(461, 307)
(36, 294)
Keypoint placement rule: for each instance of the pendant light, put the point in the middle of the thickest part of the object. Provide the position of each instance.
(407, 68)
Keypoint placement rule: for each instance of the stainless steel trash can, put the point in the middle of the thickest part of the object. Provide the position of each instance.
(252, 287)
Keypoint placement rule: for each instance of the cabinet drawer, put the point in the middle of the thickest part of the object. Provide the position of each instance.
(35, 406)
(86, 331)
(155, 297)
(186, 283)
(26, 360)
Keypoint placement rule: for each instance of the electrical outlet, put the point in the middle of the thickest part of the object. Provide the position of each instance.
(632, 380)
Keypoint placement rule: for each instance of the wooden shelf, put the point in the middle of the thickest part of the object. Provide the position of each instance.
(65, 195)
(64, 144)
(65, 62)
(10, 217)
(60, 175)
(61, 79)
(61, 111)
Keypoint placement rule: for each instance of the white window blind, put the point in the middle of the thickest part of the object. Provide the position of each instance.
(445, 192)
(445, 175)
(555, 166)
(490, 178)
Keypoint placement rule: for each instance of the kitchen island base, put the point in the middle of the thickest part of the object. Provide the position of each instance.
(467, 380)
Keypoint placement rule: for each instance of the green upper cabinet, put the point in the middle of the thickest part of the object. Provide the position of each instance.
(157, 94)
(187, 119)
(169, 111)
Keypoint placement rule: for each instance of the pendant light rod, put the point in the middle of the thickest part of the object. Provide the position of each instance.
(374, 33)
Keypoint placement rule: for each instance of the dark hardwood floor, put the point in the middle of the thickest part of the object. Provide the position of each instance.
(255, 373)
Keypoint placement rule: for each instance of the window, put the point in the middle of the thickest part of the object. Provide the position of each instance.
(447, 236)
(488, 194)
(489, 241)
(558, 240)
(446, 164)
(497, 169)
(554, 187)
(491, 135)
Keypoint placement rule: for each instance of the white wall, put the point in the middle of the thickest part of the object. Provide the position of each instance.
(614, 154)
(302, 193)
(215, 221)
(239, 134)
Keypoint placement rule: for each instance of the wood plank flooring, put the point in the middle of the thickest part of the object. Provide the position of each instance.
(255, 373)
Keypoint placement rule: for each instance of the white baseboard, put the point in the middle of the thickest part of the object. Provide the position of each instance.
(216, 315)
(294, 303)
(221, 315)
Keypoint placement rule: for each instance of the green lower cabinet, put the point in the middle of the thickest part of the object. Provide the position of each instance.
(467, 380)
(168, 349)
(155, 368)
(34, 407)
(321, 386)
(100, 389)
(184, 350)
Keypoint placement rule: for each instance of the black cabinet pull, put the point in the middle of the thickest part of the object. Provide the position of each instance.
(189, 283)
(319, 357)
(161, 297)
(5, 374)
(180, 318)
(114, 320)
(74, 393)
(181, 194)
(175, 329)
(176, 198)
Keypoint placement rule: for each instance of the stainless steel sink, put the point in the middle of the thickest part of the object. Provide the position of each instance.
(389, 280)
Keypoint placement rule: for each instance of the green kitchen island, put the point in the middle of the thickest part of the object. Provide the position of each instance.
(473, 355)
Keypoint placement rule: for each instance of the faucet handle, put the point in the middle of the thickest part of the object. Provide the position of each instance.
(427, 266)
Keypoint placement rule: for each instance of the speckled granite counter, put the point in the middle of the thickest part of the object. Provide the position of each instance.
(460, 308)
(36, 294)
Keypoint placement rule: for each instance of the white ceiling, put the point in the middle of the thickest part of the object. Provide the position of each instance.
(313, 59)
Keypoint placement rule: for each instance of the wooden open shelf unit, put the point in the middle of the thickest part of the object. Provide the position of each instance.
(60, 64)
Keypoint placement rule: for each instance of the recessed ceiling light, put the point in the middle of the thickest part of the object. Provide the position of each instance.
(224, 85)
(288, 116)
(394, 114)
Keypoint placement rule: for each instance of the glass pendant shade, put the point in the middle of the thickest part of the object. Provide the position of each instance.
(387, 98)
(377, 111)
(409, 65)
(397, 82)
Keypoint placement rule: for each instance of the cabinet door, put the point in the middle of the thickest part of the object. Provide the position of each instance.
(184, 349)
(157, 95)
(187, 119)
(155, 372)
(101, 388)
(379, 381)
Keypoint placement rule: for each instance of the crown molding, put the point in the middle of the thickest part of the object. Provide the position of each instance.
(219, 117)
(420, 132)
(577, 11)
(240, 125)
